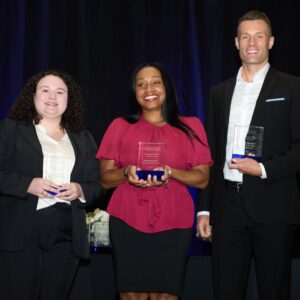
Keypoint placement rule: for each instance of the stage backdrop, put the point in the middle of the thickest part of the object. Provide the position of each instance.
(100, 42)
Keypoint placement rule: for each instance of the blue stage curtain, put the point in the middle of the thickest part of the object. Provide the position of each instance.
(12, 34)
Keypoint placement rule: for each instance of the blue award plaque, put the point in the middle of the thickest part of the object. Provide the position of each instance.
(151, 160)
(248, 142)
(55, 193)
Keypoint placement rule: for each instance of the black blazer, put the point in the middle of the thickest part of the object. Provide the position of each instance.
(21, 160)
(275, 199)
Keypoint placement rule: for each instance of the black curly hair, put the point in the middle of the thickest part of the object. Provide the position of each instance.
(24, 108)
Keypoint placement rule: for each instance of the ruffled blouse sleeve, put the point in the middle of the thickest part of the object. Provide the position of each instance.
(110, 144)
(198, 151)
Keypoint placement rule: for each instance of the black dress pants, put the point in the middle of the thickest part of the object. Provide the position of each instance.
(45, 269)
(236, 239)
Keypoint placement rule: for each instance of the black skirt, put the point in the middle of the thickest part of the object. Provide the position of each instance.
(149, 262)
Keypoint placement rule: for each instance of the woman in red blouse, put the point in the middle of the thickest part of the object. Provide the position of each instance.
(152, 218)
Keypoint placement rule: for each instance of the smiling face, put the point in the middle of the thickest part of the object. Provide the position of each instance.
(51, 97)
(254, 41)
(150, 90)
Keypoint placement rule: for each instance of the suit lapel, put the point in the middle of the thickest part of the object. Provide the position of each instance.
(228, 98)
(227, 104)
(29, 134)
(268, 85)
(222, 117)
(78, 147)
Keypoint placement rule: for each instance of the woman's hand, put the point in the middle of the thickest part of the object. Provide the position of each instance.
(130, 172)
(111, 176)
(69, 191)
(167, 174)
(41, 187)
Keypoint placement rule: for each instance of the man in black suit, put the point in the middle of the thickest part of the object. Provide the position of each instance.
(253, 205)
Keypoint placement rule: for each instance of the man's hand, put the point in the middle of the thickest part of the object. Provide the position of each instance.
(203, 228)
(247, 166)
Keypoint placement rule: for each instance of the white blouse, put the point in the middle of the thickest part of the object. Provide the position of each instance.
(58, 163)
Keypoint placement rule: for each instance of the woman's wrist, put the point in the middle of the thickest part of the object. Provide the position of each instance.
(125, 171)
(169, 171)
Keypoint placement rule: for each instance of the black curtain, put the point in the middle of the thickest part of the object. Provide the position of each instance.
(100, 42)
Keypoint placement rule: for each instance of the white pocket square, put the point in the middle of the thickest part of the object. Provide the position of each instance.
(275, 99)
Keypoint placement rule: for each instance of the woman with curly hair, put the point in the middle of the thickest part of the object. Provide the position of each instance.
(48, 174)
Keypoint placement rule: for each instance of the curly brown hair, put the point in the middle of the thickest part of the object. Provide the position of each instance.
(24, 108)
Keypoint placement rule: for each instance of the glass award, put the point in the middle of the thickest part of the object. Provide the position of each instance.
(248, 142)
(151, 160)
(52, 171)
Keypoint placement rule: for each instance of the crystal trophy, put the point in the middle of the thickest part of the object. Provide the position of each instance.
(52, 171)
(151, 160)
(248, 142)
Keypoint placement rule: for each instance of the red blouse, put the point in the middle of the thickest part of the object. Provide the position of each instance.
(157, 208)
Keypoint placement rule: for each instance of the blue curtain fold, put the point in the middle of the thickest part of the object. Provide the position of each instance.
(12, 40)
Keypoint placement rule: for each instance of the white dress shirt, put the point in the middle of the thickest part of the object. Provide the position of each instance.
(241, 110)
(59, 160)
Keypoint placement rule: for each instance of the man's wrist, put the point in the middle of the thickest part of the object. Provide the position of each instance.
(203, 213)
(263, 171)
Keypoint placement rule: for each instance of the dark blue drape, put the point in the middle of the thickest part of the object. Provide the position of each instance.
(12, 19)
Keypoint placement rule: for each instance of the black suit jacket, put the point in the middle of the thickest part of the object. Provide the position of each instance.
(21, 160)
(275, 199)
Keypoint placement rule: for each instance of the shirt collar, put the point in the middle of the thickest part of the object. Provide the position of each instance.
(42, 130)
(259, 76)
